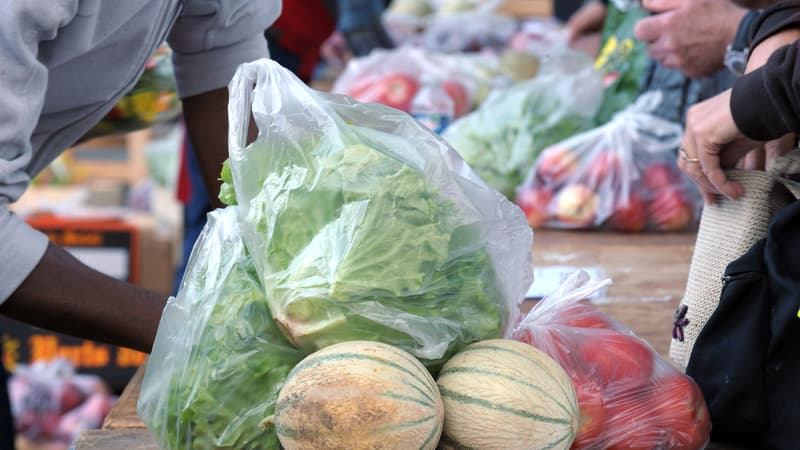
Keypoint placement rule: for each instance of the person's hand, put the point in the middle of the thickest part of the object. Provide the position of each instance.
(712, 143)
(689, 35)
(588, 19)
(334, 49)
(584, 28)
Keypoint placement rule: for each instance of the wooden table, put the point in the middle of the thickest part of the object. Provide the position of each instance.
(649, 273)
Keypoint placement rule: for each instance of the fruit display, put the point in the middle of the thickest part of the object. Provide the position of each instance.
(52, 404)
(502, 139)
(503, 394)
(621, 176)
(628, 396)
(362, 290)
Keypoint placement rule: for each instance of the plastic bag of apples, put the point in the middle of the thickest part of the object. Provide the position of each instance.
(393, 77)
(620, 176)
(629, 396)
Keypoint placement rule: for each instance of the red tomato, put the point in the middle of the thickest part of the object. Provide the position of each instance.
(582, 316)
(617, 357)
(593, 413)
(459, 95)
(669, 413)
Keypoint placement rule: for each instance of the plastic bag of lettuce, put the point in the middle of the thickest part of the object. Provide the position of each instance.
(219, 360)
(502, 139)
(363, 224)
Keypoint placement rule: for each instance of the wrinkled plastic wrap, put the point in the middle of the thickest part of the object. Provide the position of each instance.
(364, 225)
(621, 176)
(628, 395)
(219, 360)
(502, 139)
(393, 77)
(152, 101)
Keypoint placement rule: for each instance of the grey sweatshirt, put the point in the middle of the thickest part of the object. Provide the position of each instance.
(65, 63)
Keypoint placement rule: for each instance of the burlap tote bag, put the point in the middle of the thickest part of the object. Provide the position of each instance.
(727, 231)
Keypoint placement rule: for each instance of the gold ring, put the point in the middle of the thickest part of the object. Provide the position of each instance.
(685, 155)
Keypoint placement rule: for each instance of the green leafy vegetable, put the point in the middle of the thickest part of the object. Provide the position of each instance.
(355, 244)
(503, 138)
(215, 377)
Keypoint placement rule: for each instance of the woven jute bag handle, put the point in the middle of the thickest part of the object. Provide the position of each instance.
(727, 231)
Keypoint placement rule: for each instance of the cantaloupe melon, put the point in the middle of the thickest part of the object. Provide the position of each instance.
(359, 395)
(505, 395)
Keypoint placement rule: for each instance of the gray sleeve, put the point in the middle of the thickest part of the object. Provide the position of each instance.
(23, 80)
(212, 37)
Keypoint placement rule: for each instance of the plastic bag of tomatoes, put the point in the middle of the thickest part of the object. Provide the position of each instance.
(629, 397)
(393, 77)
(152, 101)
(620, 176)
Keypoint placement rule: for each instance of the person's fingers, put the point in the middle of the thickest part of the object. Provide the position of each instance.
(710, 165)
(690, 165)
(753, 160)
(654, 27)
(658, 6)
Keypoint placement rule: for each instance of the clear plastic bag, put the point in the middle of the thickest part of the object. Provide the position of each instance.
(219, 360)
(502, 139)
(363, 224)
(621, 175)
(628, 395)
(393, 77)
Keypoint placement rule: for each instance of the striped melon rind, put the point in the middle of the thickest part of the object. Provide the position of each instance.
(359, 395)
(506, 395)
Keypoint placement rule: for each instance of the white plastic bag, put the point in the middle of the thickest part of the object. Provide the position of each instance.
(393, 77)
(363, 224)
(621, 175)
(628, 395)
(218, 361)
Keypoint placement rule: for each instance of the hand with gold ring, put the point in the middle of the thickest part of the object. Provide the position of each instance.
(712, 143)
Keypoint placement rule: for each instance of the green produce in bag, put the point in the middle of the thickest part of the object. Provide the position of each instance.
(219, 360)
(622, 59)
(364, 225)
(503, 138)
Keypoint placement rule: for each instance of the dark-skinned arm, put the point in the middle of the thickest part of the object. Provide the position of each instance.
(64, 295)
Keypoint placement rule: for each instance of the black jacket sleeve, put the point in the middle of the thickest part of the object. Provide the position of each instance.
(766, 102)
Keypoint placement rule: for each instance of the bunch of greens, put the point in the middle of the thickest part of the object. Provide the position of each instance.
(219, 360)
(503, 138)
(353, 244)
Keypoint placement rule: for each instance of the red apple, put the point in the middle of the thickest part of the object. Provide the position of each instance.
(630, 215)
(670, 210)
(556, 164)
(661, 175)
(460, 97)
(576, 205)
(604, 165)
(535, 203)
